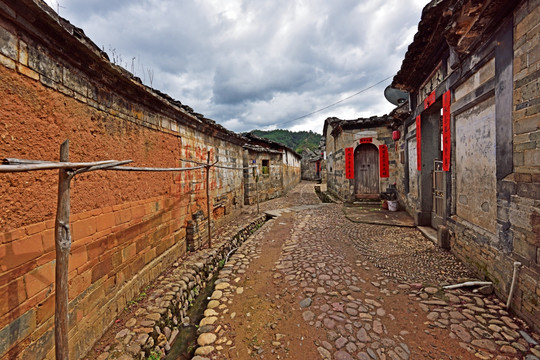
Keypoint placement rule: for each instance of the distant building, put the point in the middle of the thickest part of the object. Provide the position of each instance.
(277, 171)
(311, 165)
(360, 157)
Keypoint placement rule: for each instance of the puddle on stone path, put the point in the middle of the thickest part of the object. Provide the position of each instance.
(185, 344)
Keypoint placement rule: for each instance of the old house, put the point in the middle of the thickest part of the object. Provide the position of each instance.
(127, 227)
(470, 131)
(311, 165)
(277, 169)
(360, 157)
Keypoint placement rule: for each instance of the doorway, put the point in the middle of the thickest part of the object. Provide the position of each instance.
(432, 192)
(366, 171)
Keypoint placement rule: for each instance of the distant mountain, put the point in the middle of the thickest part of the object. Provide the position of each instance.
(296, 140)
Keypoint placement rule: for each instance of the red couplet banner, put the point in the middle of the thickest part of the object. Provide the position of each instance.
(430, 100)
(419, 143)
(365, 140)
(447, 137)
(349, 163)
(384, 170)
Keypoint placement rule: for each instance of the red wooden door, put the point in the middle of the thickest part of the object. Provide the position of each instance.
(366, 171)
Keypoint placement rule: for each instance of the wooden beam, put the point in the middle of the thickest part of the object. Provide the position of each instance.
(208, 166)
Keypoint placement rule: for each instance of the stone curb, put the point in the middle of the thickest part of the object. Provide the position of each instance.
(154, 326)
(212, 331)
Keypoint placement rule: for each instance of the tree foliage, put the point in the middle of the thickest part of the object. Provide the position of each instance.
(296, 140)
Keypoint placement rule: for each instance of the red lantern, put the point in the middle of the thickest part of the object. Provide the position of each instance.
(396, 135)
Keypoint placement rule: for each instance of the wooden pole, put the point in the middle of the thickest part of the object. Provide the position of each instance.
(63, 246)
(257, 189)
(208, 201)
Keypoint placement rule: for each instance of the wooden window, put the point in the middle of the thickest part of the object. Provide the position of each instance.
(266, 167)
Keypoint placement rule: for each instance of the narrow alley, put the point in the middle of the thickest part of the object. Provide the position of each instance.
(311, 284)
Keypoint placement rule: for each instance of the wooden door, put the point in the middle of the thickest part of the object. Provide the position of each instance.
(366, 171)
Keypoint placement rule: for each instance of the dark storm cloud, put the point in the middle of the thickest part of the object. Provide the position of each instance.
(257, 64)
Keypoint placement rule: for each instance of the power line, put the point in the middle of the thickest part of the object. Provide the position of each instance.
(337, 102)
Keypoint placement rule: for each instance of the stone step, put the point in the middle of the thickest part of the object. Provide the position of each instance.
(429, 232)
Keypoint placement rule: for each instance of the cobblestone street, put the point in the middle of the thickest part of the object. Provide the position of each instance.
(311, 284)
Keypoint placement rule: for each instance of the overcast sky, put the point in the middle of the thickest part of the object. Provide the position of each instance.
(257, 64)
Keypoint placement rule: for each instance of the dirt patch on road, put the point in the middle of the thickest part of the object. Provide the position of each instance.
(269, 323)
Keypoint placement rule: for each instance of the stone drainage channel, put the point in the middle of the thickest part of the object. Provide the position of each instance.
(167, 324)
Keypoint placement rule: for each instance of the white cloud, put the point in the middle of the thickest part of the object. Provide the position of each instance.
(257, 64)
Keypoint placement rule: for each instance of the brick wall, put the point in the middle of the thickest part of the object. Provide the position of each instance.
(524, 188)
(126, 227)
(518, 195)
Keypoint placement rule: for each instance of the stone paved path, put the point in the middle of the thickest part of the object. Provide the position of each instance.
(313, 285)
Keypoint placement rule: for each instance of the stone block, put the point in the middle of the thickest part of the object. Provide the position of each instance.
(527, 124)
(11, 295)
(105, 222)
(48, 82)
(39, 278)
(23, 53)
(532, 110)
(74, 81)
(529, 145)
(443, 237)
(27, 72)
(531, 157)
(39, 61)
(20, 251)
(17, 330)
(102, 268)
(8, 44)
(45, 311)
(524, 248)
(84, 228)
(77, 258)
(529, 190)
(505, 189)
(518, 159)
(7, 62)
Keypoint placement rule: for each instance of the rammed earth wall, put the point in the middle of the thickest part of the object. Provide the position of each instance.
(55, 84)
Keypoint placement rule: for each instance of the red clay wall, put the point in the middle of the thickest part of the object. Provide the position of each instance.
(127, 227)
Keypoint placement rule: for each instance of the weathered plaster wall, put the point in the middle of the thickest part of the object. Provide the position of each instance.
(476, 184)
(291, 170)
(269, 185)
(126, 227)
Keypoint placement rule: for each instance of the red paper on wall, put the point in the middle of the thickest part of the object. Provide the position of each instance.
(447, 137)
(384, 170)
(366, 140)
(429, 100)
(419, 143)
(349, 163)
